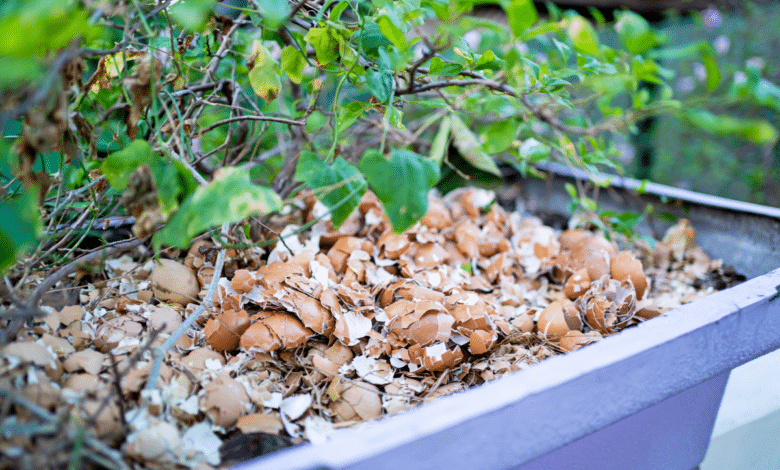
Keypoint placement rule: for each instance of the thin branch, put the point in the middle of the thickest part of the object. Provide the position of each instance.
(249, 118)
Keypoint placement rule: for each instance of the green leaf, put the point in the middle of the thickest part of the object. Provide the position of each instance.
(119, 166)
(582, 35)
(441, 141)
(19, 226)
(380, 83)
(392, 32)
(534, 151)
(192, 14)
(293, 64)
(18, 71)
(445, 69)
(274, 12)
(371, 38)
(347, 115)
(471, 149)
(499, 136)
(521, 14)
(173, 182)
(339, 186)
(635, 33)
(229, 198)
(326, 46)
(710, 65)
(315, 121)
(263, 73)
(757, 131)
(404, 203)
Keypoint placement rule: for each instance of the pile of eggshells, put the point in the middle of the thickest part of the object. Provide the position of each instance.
(339, 325)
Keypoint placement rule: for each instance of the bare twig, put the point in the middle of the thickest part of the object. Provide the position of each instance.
(159, 352)
(249, 118)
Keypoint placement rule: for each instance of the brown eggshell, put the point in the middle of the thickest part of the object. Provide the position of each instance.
(158, 446)
(195, 361)
(569, 238)
(42, 392)
(577, 284)
(106, 416)
(433, 326)
(223, 333)
(36, 353)
(573, 339)
(438, 216)
(393, 245)
(314, 314)
(110, 333)
(164, 319)
(646, 309)
(225, 401)
(481, 341)
(589, 253)
(60, 346)
(288, 329)
(626, 266)
(258, 337)
(358, 401)
(88, 360)
(174, 282)
(243, 281)
(84, 383)
(260, 422)
(70, 314)
(339, 354)
(558, 318)
(524, 322)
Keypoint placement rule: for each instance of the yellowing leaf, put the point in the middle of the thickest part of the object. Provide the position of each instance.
(109, 67)
(263, 73)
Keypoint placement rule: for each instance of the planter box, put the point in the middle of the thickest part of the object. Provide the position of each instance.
(644, 399)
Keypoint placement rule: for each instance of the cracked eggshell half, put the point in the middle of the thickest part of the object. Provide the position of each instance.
(626, 266)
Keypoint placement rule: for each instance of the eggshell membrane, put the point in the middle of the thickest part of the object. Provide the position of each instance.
(577, 284)
(225, 401)
(358, 400)
(626, 266)
(223, 333)
(260, 422)
(174, 282)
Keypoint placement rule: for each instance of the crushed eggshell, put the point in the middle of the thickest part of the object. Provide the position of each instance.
(174, 282)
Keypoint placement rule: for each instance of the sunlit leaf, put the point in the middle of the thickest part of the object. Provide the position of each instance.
(263, 73)
(520, 14)
(392, 32)
(120, 165)
(757, 131)
(582, 35)
(229, 198)
(293, 64)
(19, 226)
(326, 46)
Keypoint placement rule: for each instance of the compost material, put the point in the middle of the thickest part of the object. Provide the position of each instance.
(327, 329)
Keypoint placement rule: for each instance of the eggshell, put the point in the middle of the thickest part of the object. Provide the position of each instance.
(88, 360)
(438, 216)
(393, 245)
(165, 319)
(626, 266)
(577, 284)
(225, 400)
(106, 416)
(42, 392)
(70, 314)
(258, 337)
(174, 282)
(36, 353)
(260, 422)
(481, 341)
(358, 400)
(158, 446)
(196, 360)
(60, 346)
(558, 318)
(314, 314)
(568, 238)
(572, 340)
(83, 382)
(589, 253)
(110, 333)
(524, 322)
(243, 281)
(223, 333)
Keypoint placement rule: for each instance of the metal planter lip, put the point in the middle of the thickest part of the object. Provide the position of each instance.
(524, 415)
